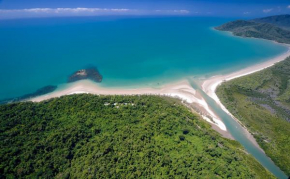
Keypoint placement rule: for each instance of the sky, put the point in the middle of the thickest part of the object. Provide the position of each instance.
(228, 8)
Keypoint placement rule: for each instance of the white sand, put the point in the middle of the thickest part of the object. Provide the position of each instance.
(209, 85)
(181, 90)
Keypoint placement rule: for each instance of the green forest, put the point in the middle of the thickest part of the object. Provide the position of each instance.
(88, 136)
(276, 28)
(261, 101)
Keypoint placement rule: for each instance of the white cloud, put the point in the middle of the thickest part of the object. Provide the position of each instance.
(80, 11)
(63, 10)
(267, 10)
(179, 11)
(36, 10)
(182, 11)
(246, 13)
(288, 7)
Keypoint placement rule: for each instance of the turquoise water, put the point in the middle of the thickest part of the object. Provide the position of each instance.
(128, 52)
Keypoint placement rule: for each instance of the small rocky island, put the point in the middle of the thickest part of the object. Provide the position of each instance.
(89, 73)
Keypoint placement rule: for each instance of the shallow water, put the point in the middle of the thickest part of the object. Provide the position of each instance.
(128, 52)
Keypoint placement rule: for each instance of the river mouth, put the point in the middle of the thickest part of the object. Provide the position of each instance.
(240, 134)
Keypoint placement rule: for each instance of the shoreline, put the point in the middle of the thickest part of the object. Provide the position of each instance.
(210, 85)
(181, 90)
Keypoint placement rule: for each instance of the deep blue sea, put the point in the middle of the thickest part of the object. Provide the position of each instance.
(127, 51)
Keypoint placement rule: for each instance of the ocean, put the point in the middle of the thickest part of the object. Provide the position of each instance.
(128, 51)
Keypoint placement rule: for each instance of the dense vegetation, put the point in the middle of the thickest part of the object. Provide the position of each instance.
(282, 21)
(275, 28)
(261, 101)
(87, 136)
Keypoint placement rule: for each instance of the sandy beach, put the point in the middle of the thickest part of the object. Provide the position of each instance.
(209, 85)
